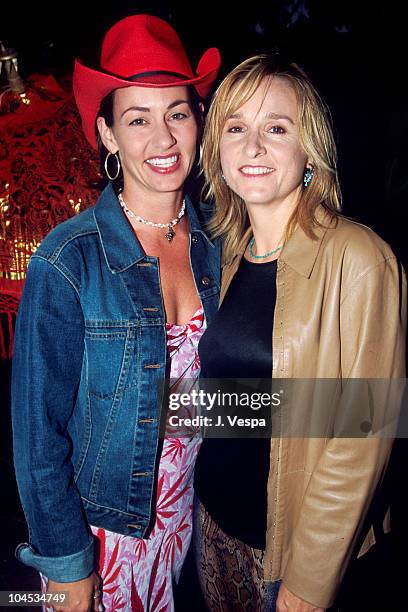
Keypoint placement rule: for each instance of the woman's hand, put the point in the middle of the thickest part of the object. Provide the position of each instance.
(288, 602)
(82, 595)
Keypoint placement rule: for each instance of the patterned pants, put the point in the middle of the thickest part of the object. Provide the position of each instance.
(230, 572)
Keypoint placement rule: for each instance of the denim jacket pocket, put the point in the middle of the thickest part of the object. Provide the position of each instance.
(111, 349)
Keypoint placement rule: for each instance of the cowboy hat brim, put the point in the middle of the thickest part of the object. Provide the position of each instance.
(91, 86)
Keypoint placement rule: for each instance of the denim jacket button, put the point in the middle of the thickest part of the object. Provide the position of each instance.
(194, 239)
(206, 281)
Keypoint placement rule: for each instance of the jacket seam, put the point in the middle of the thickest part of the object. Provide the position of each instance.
(86, 440)
(53, 256)
(111, 323)
(122, 512)
(365, 273)
(62, 270)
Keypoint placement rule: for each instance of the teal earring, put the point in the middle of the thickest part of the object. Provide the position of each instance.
(307, 177)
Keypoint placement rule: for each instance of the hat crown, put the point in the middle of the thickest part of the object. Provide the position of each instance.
(134, 50)
(143, 43)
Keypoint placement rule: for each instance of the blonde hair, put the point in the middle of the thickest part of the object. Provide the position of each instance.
(316, 137)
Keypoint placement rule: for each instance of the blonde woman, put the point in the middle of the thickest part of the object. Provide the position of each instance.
(305, 293)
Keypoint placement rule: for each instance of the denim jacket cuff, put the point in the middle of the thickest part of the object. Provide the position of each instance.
(68, 568)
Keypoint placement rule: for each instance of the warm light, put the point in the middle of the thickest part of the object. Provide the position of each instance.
(24, 99)
(76, 206)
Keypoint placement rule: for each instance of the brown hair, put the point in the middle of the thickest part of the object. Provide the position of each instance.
(230, 218)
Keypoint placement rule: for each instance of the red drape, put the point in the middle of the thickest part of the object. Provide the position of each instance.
(48, 173)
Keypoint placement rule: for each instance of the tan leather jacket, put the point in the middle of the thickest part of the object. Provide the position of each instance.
(340, 313)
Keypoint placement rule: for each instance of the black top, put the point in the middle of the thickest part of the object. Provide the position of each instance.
(231, 474)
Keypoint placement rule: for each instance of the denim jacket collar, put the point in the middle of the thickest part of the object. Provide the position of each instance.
(120, 248)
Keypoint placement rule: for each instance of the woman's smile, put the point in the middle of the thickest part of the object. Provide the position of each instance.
(164, 164)
(256, 171)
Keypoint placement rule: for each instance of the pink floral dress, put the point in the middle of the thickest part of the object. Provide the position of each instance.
(137, 575)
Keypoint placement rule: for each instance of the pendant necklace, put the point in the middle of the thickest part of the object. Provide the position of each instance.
(169, 235)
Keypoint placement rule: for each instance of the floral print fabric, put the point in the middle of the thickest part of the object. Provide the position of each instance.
(137, 575)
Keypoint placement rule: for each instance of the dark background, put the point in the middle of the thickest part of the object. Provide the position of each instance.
(354, 52)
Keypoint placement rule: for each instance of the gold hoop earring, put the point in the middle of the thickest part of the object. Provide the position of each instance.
(118, 167)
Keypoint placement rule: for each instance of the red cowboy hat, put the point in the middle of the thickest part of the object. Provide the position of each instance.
(139, 50)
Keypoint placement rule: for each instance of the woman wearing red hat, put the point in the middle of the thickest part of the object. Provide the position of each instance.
(115, 300)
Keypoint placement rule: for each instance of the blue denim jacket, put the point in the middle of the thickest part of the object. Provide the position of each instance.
(90, 352)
